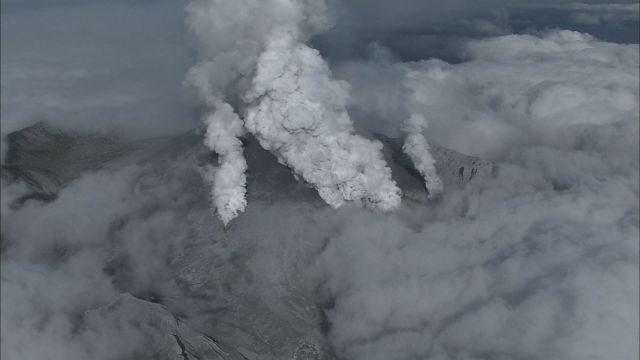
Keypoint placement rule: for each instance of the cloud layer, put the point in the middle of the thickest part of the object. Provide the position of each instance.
(538, 262)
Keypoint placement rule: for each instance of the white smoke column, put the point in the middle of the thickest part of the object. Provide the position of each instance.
(229, 179)
(418, 150)
(300, 116)
(212, 76)
(254, 55)
(228, 36)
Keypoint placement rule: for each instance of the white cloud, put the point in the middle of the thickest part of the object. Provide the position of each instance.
(515, 89)
(539, 261)
(502, 270)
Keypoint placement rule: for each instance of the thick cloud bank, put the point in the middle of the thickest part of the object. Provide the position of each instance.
(254, 55)
(512, 91)
(540, 262)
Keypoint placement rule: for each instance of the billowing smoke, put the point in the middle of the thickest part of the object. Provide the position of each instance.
(285, 93)
(224, 128)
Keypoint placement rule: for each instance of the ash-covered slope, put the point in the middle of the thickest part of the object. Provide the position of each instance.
(47, 159)
(245, 285)
(156, 330)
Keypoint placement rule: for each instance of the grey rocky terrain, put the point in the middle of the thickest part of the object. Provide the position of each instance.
(223, 293)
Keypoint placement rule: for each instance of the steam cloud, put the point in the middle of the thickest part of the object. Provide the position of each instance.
(290, 103)
(229, 179)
